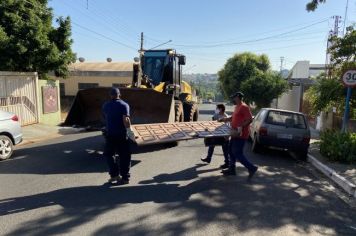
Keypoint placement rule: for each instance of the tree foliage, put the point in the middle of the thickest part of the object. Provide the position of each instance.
(326, 93)
(29, 42)
(251, 73)
(311, 6)
(343, 50)
(263, 88)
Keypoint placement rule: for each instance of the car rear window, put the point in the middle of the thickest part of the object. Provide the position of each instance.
(287, 119)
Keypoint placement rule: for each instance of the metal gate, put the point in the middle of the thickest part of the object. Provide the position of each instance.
(18, 95)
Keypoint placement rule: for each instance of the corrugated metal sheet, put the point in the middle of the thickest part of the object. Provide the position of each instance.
(170, 132)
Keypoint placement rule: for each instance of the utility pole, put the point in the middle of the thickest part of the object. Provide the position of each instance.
(280, 72)
(336, 25)
(141, 47)
(345, 17)
(332, 33)
(281, 68)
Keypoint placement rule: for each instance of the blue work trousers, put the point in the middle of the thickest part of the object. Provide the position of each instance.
(236, 153)
(225, 149)
(118, 166)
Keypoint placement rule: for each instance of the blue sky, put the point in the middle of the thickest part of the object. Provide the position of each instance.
(208, 32)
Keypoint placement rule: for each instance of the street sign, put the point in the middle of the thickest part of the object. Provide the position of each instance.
(349, 78)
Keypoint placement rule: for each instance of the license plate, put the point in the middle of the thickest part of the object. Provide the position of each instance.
(285, 136)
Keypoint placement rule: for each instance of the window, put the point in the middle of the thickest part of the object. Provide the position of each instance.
(153, 67)
(62, 89)
(87, 85)
(287, 119)
(260, 115)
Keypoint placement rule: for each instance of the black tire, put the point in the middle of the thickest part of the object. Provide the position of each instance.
(191, 112)
(178, 110)
(303, 155)
(6, 147)
(256, 146)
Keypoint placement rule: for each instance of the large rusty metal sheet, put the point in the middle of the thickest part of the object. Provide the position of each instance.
(170, 132)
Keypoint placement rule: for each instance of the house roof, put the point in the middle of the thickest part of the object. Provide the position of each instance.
(101, 66)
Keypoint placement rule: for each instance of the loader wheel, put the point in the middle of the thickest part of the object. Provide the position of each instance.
(191, 111)
(178, 109)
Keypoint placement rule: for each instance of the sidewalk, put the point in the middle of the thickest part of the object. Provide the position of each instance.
(343, 175)
(39, 132)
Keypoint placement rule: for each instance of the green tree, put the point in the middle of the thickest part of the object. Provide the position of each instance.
(263, 88)
(343, 51)
(311, 6)
(29, 42)
(239, 68)
(326, 93)
(251, 74)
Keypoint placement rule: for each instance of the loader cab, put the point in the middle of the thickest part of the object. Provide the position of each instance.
(163, 66)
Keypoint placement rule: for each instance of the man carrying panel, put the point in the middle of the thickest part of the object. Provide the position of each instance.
(118, 132)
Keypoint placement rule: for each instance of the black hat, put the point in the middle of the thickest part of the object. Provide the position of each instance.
(114, 91)
(237, 94)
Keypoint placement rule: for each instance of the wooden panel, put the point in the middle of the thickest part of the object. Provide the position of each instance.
(170, 132)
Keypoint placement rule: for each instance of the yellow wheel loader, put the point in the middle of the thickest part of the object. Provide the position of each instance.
(157, 94)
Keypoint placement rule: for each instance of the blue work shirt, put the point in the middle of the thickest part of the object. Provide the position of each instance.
(114, 111)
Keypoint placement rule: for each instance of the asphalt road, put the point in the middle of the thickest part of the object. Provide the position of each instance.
(58, 187)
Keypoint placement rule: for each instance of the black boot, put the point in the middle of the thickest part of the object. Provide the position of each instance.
(206, 160)
(224, 166)
(251, 173)
(229, 171)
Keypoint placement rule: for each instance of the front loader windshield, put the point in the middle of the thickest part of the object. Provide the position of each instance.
(153, 68)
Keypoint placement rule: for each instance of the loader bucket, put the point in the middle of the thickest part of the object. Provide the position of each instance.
(146, 106)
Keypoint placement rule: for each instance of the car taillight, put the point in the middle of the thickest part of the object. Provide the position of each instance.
(262, 131)
(15, 118)
(306, 139)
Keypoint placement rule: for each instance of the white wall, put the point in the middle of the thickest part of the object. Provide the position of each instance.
(290, 100)
(300, 70)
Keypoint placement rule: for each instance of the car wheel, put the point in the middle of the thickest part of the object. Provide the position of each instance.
(303, 155)
(6, 147)
(256, 146)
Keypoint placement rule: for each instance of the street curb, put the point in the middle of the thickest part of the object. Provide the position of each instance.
(60, 132)
(349, 187)
(32, 141)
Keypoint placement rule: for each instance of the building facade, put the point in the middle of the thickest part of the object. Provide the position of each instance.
(85, 75)
(300, 78)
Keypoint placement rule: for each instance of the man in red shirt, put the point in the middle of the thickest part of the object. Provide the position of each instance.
(240, 125)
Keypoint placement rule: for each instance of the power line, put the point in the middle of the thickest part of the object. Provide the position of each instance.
(102, 19)
(113, 40)
(83, 27)
(254, 40)
(233, 39)
(259, 50)
(278, 41)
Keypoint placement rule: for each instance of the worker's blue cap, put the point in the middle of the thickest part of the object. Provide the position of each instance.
(237, 94)
(114, 91)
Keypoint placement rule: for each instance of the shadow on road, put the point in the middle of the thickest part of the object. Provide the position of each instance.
(82, 155)
(279, 196)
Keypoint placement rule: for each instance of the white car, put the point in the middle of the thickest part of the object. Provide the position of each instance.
(10, 133)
